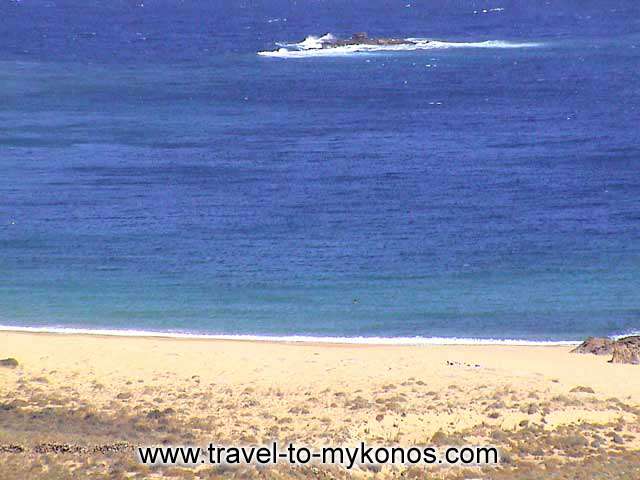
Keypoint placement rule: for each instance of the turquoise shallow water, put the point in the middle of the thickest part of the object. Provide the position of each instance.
(158, 174)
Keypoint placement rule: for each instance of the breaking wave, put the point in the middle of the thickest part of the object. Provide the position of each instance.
(290, 338)
(312, 47)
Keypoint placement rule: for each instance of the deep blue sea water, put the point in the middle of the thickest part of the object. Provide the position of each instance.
(157, 174)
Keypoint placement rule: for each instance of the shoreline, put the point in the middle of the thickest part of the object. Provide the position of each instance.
(288, 339)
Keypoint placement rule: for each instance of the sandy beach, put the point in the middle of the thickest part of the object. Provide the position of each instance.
(79, 404)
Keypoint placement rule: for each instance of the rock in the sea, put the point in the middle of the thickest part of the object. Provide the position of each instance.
(9, 362)
(627, 350)
(596, 346)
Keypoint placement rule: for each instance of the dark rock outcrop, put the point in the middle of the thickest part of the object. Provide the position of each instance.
(9, 362)
(11, 448)
(362, 38)
(627, 350)
(596, 346)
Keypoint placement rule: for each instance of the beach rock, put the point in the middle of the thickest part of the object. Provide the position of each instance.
(9, 362)
(11, 448)
(581, 389)
(595, 346)
(59, 448)
(617, 439)
(627, 350)
(113, 448)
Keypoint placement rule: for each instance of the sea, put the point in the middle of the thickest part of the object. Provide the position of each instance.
(179, 167)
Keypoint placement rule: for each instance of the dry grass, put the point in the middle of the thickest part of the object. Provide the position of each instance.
(60, 434)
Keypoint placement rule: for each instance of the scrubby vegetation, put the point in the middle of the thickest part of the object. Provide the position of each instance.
(61, 434)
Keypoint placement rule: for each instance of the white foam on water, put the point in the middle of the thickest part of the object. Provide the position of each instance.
(289, 338)
(632, 333)
(489, 10)
(312, 47)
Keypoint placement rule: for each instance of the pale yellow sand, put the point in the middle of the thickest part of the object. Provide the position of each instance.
(298, 369)
(245, 391)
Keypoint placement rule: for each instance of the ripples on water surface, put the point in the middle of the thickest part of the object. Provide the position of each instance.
(158, 174)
